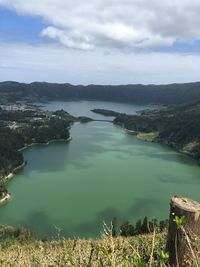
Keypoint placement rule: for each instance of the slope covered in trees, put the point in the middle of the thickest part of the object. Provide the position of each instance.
(143, 94)
(178, 127)
(10, 157)
(19, 129)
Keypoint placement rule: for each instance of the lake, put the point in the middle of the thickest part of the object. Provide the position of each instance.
(69, 189)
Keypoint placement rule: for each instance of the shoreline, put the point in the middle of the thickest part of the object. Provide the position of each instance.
(7, 178)
(11, 174)
(46, 144)
(153, 140)
(130, 131)
(5, 199)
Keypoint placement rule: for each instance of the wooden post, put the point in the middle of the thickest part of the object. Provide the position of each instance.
(183, 241)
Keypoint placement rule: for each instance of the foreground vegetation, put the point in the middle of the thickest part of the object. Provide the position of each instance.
(20, 248)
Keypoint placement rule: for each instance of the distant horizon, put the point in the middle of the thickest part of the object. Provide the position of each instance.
(92, 84)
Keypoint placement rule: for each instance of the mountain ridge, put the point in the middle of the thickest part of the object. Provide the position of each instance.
(170, 94)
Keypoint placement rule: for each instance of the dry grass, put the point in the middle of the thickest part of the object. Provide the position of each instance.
(150, 137)
(191, 146)
(108, 251)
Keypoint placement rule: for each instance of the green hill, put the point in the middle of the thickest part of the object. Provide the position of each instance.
(141, 94)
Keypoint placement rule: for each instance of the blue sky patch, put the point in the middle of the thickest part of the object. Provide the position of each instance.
(181, 47)
(19, 28)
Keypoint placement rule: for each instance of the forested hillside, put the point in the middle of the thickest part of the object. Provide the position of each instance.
(19, 129)
(178, 127)
(143, 94)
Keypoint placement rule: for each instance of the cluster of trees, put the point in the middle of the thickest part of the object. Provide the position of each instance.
(10, 157)
(13, 139)
(165, 94)
(19, 116)
(137, 123)
(140, 227)
(178, 126)
(43, 132)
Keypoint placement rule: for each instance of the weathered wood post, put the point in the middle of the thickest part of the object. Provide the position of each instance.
(183, 241)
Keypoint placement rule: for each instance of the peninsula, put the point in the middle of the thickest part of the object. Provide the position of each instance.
(23, 125)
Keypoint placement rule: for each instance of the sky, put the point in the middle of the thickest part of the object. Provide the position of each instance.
(100, 41)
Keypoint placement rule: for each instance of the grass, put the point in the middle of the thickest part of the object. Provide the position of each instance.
(107, 251)
(19, 248)
(190, 146)
(150, 137)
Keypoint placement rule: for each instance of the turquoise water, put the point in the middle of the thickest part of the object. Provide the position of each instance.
(104, 172)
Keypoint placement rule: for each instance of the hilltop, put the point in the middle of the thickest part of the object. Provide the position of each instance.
(131, 93)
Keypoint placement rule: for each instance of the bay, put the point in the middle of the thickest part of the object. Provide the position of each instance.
(69, 189)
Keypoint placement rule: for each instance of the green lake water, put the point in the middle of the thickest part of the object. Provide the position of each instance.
(104, 172)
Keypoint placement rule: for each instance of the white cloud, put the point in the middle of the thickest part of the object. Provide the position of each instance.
(71, 40)
(133, 24)
(27, 63)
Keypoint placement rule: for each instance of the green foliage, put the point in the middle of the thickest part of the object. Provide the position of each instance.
(180, 221)
(139, 262)
(138, 226)
(162, 225)
(163, 256)
(127, 229)
(10, 157)
(145, 227)
(114, 227)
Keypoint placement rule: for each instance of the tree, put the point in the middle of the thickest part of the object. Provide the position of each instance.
(145, 226)
(138, 226)
(127, 229)
(114, 225)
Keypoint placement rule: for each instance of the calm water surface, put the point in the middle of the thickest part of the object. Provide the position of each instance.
(103, 172)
